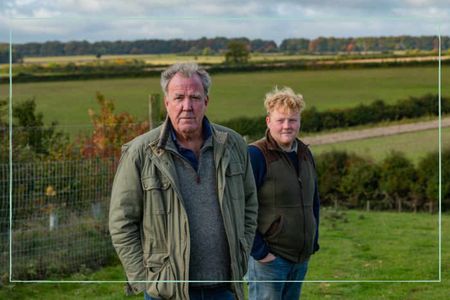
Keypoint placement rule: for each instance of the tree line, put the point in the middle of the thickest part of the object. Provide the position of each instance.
(218, 45)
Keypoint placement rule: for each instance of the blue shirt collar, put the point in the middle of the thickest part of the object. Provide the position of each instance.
(206, 131)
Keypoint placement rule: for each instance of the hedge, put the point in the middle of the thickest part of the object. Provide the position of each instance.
(377, 111)
(351, 181)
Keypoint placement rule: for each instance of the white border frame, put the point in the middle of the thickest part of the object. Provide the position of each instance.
(243, 281)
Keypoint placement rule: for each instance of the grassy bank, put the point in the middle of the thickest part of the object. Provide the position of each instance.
(355, 245)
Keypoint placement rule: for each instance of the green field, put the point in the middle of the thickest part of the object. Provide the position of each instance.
(233, 95)
(414, 145)
(355, 245)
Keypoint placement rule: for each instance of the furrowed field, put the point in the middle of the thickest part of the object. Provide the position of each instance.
(237, 94)
(355, 246)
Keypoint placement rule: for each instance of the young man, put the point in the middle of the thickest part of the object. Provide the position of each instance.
(183, 204)
(288, 215)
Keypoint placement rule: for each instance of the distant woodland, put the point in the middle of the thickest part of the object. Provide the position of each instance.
(218, 45)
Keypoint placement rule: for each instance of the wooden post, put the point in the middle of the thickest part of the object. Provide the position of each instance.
(154, 110)
(399, 204)
(53, 220)
(150, 123)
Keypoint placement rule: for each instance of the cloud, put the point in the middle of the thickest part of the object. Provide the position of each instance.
(64, 20)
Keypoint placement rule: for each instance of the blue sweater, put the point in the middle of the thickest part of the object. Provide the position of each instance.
(260, 248)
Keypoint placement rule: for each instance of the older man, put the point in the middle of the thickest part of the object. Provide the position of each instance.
(183, 204)
(288, 216)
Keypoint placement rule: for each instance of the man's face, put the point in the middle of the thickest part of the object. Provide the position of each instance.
(284, 126)
(186, 104)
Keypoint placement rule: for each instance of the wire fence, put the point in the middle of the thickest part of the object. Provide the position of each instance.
(59, 212)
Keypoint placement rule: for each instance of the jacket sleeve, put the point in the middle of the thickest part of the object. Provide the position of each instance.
(125, 217)
(251, 202)
(316, 206)
(316, 211)
(260, 248)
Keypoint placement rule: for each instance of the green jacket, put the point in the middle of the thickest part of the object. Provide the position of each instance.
(148, 223)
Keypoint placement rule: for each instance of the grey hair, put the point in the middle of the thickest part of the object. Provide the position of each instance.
(187, 70)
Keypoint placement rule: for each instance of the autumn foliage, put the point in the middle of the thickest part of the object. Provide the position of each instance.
(110, 131)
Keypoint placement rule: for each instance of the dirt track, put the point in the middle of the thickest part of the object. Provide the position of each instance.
(373, 132)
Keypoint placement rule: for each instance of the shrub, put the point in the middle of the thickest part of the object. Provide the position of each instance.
(331, 168)
(111, 131)
(32, 139)
(427, 187)
(361, 184)
(398, 177)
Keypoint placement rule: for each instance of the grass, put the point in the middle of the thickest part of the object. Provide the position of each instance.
(414, 145)
(233, 95)
(355, 245)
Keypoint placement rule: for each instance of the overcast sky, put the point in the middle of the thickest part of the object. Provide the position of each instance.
(95, 20)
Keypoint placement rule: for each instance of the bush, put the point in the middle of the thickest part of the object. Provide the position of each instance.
(361, 185)
(427, 187)
(111, 131)
(254, 128)
(398, 178)
(331, 168)
(33, 140)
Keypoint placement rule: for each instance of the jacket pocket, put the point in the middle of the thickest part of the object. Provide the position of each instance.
(156, 212)
(234, 180)
(156, 194)
(274, 228)
(160, 276)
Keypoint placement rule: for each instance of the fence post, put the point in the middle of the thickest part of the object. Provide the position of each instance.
(154, 110)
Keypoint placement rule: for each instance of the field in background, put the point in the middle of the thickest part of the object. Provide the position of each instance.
(355, 245)
(155, 59)
(234, 95)
(415, 145)
(166, 59)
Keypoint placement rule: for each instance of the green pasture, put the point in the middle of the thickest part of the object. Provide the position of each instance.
(415, 145)
(355, 246)
(234, 95)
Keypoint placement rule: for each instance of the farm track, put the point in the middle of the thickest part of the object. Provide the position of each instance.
(374, 132)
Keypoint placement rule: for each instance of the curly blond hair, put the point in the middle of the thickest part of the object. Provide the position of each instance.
(284, 99)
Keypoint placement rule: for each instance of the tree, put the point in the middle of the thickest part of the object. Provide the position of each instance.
(398, 179)
(237, 53)
(361, 184)
(111, 131)
(32, 139)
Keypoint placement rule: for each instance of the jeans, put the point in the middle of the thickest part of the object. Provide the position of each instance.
(280, 270)
(219, 293)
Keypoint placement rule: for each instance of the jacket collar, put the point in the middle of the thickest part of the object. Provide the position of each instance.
(167, 131)
(272, 145)
(219, 137)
